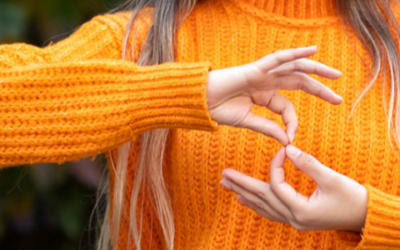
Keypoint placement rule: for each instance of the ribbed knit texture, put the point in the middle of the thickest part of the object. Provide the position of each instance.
(75, 99)
(57, 107)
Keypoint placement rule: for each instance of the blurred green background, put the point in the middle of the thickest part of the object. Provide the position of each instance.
(48, 206)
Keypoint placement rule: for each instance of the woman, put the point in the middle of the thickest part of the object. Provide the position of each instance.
(77, 98)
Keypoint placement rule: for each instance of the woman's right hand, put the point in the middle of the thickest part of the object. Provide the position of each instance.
(232, 92)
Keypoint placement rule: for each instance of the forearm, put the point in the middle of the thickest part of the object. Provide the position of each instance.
(67, 111)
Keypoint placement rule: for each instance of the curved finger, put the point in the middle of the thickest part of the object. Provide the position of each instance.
(259, 202)
(255, 190)
(300, 81)
(265, 126)
(307, 66)
(282, 106)
(280, 57)
(261, 211)
(283, 191)
(321, 174)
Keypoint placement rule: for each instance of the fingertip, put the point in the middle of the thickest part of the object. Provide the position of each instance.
(291, 133)
(226, 172)
(276, 132)
(284, 140)
(282, 151)
(292, 152)
(338, 74)
(241, 200)
(279, 158)
(313, 47)
(338, 99)
(310, 50)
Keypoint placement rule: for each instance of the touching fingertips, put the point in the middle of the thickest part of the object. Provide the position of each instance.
(291, 135)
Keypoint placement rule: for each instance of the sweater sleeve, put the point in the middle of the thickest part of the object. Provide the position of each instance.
(77, 99)
(382, 226)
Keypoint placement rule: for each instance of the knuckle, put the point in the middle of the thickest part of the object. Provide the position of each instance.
(301, 217)
(301, 79)
(319, 92)
(278, 55)
(290, 105)
(260, 205)
(315, 69)
(262, 194)
(296, 66)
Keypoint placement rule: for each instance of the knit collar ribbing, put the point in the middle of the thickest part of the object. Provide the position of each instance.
(297, 9)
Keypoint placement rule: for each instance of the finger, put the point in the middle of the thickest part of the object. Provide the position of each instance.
(257, 188)
(265, 126)
(280, 57)
(261, 211)
(309, 85)
(282, 106)
(307, 66)
(321, 174)
(260, 202)
(283, 191)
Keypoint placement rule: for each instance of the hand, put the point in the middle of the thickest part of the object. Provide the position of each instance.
(232, 92)
(338, 203)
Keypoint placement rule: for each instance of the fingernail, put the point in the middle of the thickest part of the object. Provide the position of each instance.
(338, 96)
(292, 136)
(241, 200)
(225, 184)
(292, 151)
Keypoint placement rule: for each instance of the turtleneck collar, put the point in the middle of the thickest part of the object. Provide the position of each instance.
(298, 9)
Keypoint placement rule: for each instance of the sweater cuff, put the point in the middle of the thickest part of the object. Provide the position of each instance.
(172, 96)
(382, 225)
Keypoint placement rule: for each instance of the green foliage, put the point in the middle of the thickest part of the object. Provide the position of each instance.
(34, 21)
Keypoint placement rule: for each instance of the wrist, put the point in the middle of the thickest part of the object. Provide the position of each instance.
(361, 209)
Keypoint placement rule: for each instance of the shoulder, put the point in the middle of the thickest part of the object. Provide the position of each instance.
(119, 22)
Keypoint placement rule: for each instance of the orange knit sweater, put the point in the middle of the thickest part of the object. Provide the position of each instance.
(76, 99)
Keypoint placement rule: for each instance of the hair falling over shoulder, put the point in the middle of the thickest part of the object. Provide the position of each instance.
(372, 21)
(158, 49)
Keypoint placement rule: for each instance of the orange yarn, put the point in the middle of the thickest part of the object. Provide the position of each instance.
(76, 99)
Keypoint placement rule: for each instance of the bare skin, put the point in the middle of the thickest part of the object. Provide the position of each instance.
(232, 92)
(338, 203)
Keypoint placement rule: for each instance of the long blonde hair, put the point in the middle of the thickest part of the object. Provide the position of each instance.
(371, 20)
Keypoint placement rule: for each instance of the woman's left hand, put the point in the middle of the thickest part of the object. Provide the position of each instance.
(338, 203)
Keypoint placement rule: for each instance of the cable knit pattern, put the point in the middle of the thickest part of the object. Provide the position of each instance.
(76, 99)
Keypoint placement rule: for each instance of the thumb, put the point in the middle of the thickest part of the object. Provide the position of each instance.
(309, 165)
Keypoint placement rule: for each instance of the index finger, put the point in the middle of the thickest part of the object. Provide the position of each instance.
(280, 57)
(285, 193)
(300, 81)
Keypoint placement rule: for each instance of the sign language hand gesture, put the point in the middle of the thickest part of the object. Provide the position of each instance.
(232, 92)
(338, 203)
